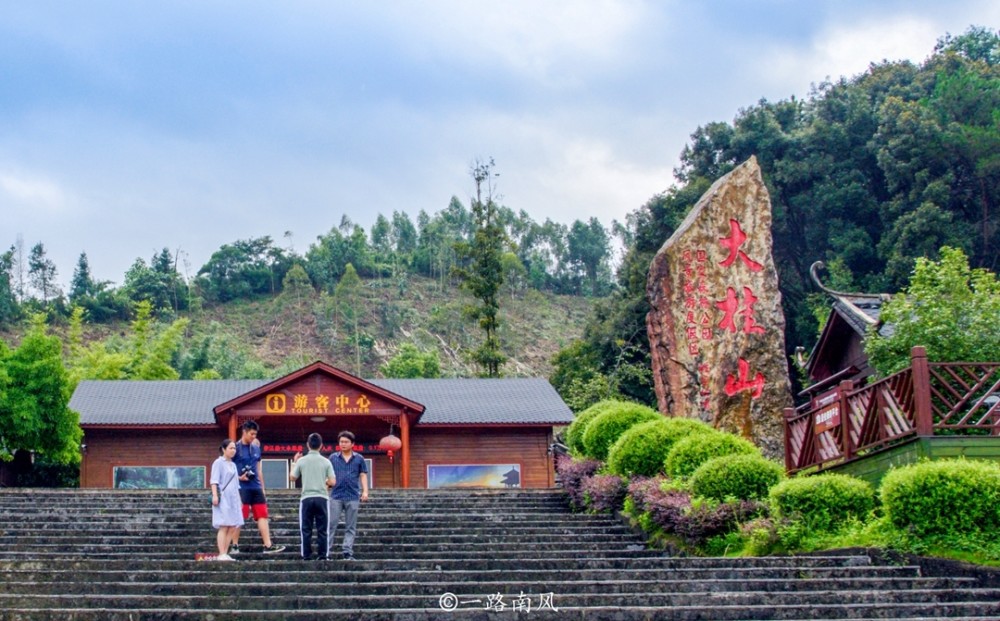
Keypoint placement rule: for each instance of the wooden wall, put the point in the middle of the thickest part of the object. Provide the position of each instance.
(527, 446)
(146, 447)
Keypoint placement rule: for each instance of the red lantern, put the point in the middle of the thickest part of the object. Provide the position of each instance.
(390, 444)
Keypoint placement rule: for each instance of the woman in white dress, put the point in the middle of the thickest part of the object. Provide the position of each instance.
(227, 510)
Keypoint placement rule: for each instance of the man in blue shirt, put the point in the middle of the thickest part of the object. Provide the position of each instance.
(351, 489)
(247, 458)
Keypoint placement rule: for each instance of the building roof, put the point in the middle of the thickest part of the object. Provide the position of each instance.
(511, 401)
(860, 312)
(483, 401)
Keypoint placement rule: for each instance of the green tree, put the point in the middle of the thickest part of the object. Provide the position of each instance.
(484, 274)
(297, 288)
(327, 259)
(543, 250)
(350, 306)
(82, 283)
(976, 43)
(151, 351)
(948, 308)
(589, 248)
(244, 269)
(412, 363)
(42, 274)
(94, 361)
(10, 310)
(218, 354)
(100, 301)
(515, 277)
(35, 389)
(435, 254)
(404, 235)
(381, 243)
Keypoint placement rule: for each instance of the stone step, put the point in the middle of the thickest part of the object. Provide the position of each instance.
(262, 571)
(846, 603)
(334, 573)
(384, 538)
(478, 612)
(202, 497)
(381, 499)
(362, 552)
(169, 530)
(649, 561)
(411, 583)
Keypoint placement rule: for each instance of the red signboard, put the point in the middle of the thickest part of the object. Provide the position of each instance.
(826, 419)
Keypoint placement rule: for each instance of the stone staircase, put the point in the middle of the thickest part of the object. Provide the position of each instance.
(424, 554)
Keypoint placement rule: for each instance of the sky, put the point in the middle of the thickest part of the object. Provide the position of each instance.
(128, 127)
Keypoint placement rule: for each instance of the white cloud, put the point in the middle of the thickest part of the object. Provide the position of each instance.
(26, 191)
(847, 48)
(541, 40)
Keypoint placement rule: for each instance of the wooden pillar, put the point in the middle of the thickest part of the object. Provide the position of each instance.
(550, 459)
(847, 445)
(404, 460)
(232, 426)
(789, 464)
(921, 378)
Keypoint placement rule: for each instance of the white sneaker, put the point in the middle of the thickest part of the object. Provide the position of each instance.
(224, 557)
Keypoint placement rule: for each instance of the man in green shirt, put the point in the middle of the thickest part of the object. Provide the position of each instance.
(316, 473)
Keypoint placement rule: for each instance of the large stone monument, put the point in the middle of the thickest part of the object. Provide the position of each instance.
(716, 329)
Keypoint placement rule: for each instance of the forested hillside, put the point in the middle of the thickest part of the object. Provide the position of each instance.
(389, 300)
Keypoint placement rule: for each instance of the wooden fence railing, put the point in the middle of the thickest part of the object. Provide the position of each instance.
(927, 399)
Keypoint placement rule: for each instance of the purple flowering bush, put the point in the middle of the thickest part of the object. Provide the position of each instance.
(656, 508)
(572, 472)
(603, 493)
(661, 510)
(706, 520)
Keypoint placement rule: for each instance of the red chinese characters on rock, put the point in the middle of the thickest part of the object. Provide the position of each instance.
(744, 382)
(733, 310)
(698, 315)
(698, 321)
(733, 243)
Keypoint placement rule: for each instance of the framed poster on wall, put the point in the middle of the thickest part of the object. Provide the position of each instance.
(159, 477)
(473, 475)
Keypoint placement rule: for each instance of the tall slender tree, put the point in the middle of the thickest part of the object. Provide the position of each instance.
(82, 284)
(42, 273)
(483, 274)
(348, 301)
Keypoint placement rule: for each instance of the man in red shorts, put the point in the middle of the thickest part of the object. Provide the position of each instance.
(251, 479)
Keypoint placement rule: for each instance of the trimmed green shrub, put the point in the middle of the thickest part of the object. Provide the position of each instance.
(945, 497)
(602, 432)
(743, 477)
(576, 429)
(824, 501)
(642, 448)
(691, 452)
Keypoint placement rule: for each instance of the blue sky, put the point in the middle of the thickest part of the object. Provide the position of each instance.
(127, 127)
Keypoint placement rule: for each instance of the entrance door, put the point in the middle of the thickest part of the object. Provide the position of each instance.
(275, 473)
